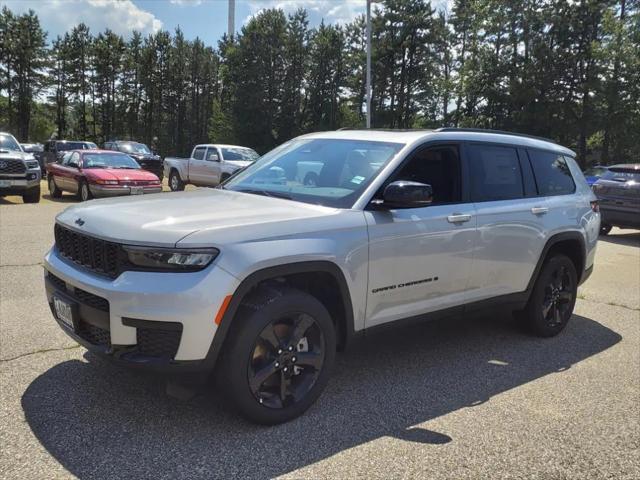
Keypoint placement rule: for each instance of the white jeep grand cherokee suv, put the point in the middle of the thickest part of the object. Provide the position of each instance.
(327, 236)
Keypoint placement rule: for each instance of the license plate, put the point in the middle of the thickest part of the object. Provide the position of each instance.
(5, 183)
(64, 312)
(137, 190)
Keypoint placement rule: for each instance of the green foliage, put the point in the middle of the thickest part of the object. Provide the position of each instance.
(565, 70)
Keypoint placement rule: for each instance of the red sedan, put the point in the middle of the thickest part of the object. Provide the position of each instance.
(99, 173)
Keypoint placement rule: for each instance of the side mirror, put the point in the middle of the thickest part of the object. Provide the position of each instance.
(406, 194)
(213, 157)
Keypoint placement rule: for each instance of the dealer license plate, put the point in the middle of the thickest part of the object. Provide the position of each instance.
(64, 312)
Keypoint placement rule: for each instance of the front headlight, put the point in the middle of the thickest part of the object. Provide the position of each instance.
(165, 259)
(33, 164)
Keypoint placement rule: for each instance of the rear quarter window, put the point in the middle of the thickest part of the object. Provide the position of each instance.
(552, 174)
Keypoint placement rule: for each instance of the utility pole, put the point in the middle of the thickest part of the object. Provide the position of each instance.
(368, 63)
(231, 27)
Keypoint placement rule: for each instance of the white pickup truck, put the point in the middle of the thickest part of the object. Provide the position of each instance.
(208, 165)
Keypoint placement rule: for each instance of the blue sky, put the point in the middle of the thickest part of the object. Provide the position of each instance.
(206, 19)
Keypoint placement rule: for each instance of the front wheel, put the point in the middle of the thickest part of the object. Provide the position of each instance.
(54, 191)
(84, 193)
(32, 195)
(553, 297)
(175, 183)
(278, 356)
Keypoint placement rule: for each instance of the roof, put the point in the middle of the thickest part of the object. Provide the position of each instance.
(420, 136)
(628, 166)
(221, 145)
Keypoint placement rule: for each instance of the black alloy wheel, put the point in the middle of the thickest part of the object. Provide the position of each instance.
(286, 360)
(556, 304)
(278, 355)
(553, 297)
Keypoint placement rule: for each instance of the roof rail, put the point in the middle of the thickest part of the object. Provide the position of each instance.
(487, 130)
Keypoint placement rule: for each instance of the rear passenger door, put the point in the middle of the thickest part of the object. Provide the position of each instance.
(197, 166)
(511, 230)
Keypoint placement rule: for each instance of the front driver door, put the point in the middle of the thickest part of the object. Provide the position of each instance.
(212, 167)
(197, 168)
(420, 258)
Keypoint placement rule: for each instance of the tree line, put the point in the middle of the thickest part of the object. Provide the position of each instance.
(565, 70)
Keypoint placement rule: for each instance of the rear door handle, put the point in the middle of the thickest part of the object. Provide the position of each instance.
(539, 210)
(458, 218)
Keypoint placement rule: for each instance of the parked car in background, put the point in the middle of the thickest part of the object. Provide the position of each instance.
(19, 171)
(141, 154)
(618, 191)
(36, 150)
(592, 174)
(208, 165)
(99, 173)
(54, 149)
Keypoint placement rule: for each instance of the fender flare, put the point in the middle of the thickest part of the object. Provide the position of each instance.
(255, 278)
(551, 242)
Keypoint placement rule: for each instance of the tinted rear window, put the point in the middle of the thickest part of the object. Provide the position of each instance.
(495, 173)
(552, 173)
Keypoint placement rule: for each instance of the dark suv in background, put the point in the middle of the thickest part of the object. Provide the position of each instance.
(55, 149)
(140, 153)
(618, 191)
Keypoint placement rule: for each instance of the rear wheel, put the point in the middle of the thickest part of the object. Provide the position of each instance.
(553, 297)
(278, 355)
(54, 191)
(84, 193)
(605, 229)
(32, 195)
(175, 182)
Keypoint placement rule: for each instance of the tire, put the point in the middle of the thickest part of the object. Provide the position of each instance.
(605, 229)
(175, 182)
(553, 297)
(54, 191)
(261, 351)
(84, 193)
(32, 195)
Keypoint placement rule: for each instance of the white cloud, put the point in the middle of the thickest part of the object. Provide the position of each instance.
(59, 16)
(186, 2)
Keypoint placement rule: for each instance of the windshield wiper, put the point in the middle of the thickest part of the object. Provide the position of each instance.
(265, 193)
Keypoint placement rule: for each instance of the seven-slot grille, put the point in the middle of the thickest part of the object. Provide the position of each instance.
(12, 166)
(97, 255)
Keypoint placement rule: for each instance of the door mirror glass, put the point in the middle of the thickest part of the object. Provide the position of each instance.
(406, 194)
(213, 157)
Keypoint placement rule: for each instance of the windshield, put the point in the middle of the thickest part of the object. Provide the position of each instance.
(244, 154)
(622, 175)
(7, 142)
(321, 171)
(109, 160)
(64, 146)
(134, 147)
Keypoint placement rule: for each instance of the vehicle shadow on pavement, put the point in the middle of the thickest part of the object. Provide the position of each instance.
(630, 239)
(100, 421)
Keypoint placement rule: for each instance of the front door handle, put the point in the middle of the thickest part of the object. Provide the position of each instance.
(458, 218)
(539, 210)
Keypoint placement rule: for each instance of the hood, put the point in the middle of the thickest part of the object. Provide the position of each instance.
(121, 174)
(164, 219)
(15, 155)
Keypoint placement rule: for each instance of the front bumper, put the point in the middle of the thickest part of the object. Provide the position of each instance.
(99, 191)
(13, 185)
(153, 320)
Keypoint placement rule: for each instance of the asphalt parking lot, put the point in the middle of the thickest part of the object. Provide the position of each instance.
(458, 398)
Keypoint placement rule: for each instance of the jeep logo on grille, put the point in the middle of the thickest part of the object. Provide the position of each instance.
(79, 222)
(3, 165)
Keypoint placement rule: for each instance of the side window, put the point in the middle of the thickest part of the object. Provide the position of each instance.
(108, 146)
(71, 160)
(552, 173)
(436, 166)
(198, 153)
(495, 173)
(212, 155)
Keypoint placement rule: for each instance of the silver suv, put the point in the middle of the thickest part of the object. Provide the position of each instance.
(325, 237)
